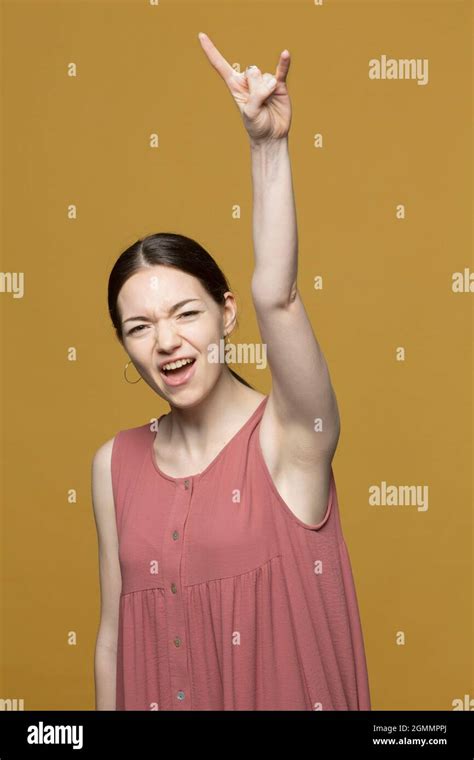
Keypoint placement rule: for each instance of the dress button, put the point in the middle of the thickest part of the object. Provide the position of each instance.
(186, 484)
(180, 694)
(175, 535)
(177, 641)
(173, 588)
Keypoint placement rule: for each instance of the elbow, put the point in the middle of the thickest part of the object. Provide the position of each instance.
(266, 296)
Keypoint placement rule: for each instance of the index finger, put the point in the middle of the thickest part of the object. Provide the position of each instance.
(218, 61)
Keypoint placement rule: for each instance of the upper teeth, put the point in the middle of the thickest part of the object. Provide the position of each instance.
(179, 363)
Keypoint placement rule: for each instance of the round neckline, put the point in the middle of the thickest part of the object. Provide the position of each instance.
(198, 475)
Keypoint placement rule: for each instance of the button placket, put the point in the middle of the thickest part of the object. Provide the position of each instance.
(173, 549)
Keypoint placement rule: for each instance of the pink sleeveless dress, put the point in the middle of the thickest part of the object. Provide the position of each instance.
(229, 601)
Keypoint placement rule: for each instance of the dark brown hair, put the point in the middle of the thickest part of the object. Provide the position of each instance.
(170, 250)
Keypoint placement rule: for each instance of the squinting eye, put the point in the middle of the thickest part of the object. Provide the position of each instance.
(140, 327)
(184, 313)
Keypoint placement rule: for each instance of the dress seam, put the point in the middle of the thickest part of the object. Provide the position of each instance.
(234, 575)
(139, 590)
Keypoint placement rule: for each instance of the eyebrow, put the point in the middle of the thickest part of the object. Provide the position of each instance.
(171, 311)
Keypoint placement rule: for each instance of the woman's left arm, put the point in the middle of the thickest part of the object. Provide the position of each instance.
(301, 387)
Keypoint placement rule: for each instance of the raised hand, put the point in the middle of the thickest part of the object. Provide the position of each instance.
(262, 99)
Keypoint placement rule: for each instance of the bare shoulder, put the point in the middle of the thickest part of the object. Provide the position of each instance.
(103, 456)
(102, 491)
(102, 464)
(109, 562)
(301, 475)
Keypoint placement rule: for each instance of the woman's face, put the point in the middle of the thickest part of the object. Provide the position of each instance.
(156, 331)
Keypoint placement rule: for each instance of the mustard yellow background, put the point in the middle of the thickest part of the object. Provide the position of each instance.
(387, 283)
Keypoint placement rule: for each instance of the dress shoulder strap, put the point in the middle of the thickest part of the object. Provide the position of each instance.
(128, 455)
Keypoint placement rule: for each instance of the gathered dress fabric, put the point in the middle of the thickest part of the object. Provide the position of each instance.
(229, 601)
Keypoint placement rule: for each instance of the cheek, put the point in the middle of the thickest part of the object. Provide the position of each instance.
(138, 347)
(202, 337)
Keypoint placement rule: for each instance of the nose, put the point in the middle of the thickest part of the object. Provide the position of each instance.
(168, 340)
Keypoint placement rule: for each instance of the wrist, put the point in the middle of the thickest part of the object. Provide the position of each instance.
(270, 145)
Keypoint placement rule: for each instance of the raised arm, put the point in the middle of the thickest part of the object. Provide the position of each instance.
(301, 393)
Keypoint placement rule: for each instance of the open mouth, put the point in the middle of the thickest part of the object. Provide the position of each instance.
(175, 376)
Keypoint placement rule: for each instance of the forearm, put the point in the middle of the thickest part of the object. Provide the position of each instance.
(275, 234)
(105, 664)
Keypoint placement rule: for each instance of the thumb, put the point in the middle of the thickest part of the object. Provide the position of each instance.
(260, 88)
(270, 81)
(254, 77)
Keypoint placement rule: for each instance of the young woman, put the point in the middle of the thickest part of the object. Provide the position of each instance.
(226, 582)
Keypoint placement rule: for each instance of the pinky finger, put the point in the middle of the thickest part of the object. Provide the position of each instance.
(283, 66)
